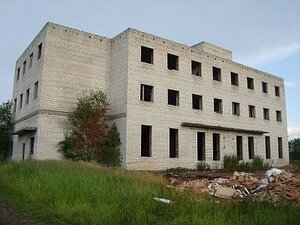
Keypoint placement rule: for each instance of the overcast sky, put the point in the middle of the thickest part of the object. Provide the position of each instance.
(261, 34)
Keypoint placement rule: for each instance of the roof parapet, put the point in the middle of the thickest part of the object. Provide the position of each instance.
(213, 49)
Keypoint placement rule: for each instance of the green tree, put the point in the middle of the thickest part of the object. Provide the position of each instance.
(90, 137)
(5, 128)
(294, 148)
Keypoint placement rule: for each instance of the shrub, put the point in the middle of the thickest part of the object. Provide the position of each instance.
(5, 129)
(232, 163)
(202, 166)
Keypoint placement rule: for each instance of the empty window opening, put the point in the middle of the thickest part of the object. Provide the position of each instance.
(11, 149)
(36, 89)
(235, 108)
(21, 101)
(239, 147)
(196, 68)
(24, 67)
(31, 145)
(277, 91)
(146, 55)
(197, 101)
(266, 114)
(23, 151)
(234, 79)
(173, 97)
(146, 93)
(268, 147)
(18, 73)
(40, 51)
(216, 73)
(252, 111)
(264, 87)
(173, 62)
(278, 116)
(15, 105)
(30, 60)
(200, 146)
(218, 105)
(250, 83)
(251, 147)
(173, 143)
(146, 144)
(27, 95)
(216, 146)
(280, 155)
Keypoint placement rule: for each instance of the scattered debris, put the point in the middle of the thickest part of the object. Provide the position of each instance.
(163, 200)
(276, 186)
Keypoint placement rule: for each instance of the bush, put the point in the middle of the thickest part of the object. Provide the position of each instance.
(232, 163)
(202, 166)
(5, 129)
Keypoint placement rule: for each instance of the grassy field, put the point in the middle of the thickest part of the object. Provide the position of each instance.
(81, 193)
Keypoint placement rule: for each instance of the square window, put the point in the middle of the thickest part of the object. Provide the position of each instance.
(218, 105)
(173, 97)
(251, 111)
(216, 73)
(266, 114)
(250, 83)
(277, 91)
(278, 116)
(197, 101)
(146, 55)
(234, 79)
(196, 68)
(235, 108)
(264, 87)
(173, 62)
(146, 93)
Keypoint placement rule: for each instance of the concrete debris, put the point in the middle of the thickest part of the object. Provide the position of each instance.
(163, 200)
(277, 185)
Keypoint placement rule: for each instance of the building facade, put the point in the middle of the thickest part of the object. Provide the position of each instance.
(174, 105)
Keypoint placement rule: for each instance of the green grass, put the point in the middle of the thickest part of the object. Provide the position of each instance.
(233, 163)
(64, 192)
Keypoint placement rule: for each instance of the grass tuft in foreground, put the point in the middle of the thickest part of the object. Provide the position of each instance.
(64, 192)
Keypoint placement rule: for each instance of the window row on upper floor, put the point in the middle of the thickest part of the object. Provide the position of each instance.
(147, 56)
(27, 97)
(25, 66)
(147, 93)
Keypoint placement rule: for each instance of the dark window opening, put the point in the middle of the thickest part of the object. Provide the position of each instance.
(277, 91)
(23, 151)
(250, 83)
(146, 55)
(278, 116)
(11, 149)
(173, 62)
(24, 67)
(173, 97)
(234, 79)
(239, 147)
(15, 105)
(252, 111)
(18, 73)
(251, 147)
(216, 73)
(280, 155)
(266, 114)
(173, 143)
(196, 68)
(146, 137)
(27, 95)
(200, 146)
(40, 50)
(216, 146)
(235, 108)
(218, 105)
(30, 60)
(146, 93)
(197, 101)
(268, 147)
(21, 101)
(36, 89)
(264, 87)
(31, 145)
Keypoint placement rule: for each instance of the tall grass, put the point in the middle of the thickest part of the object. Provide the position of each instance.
(233, 163)
(83, 193)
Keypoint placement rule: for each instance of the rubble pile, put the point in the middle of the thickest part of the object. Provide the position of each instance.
(277, 185)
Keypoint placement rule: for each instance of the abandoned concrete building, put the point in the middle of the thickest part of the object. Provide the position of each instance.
(174, 105)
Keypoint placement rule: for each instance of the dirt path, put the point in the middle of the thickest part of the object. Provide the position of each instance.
(8, 216)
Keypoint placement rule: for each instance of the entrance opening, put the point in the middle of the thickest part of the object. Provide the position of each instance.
(201, 146)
